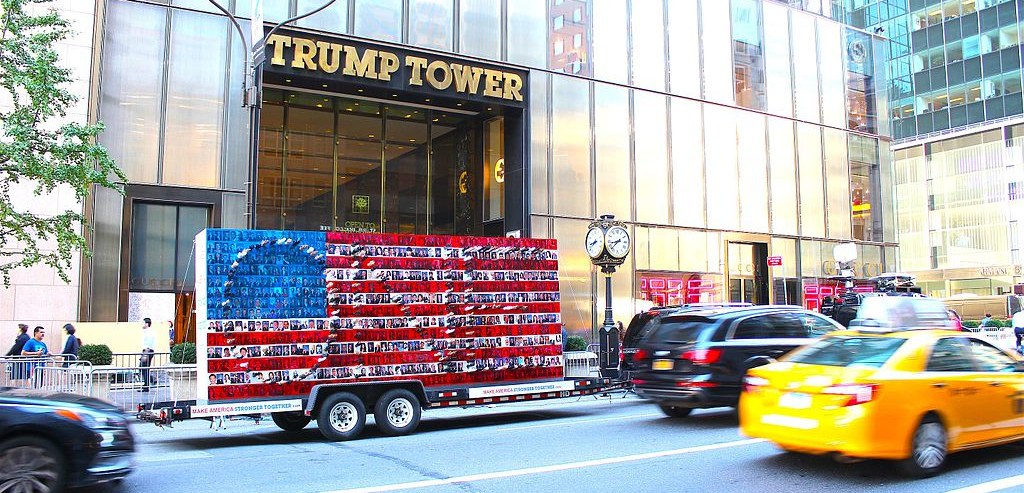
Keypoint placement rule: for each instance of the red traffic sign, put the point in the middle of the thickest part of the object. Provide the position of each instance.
(775, 261)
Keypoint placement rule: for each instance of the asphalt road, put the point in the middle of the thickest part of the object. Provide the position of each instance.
(606, 445)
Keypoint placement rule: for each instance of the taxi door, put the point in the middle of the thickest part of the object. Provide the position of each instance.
(952, 379)
(1001, 390)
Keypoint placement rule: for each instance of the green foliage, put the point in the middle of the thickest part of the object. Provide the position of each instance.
(184, 353)
(97, 354)
(575, 343)
(38, 147)
(970, 324)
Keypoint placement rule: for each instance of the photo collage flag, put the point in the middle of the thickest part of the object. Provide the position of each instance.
(284, 311)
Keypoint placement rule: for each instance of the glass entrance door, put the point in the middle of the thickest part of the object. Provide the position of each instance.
(748, 265)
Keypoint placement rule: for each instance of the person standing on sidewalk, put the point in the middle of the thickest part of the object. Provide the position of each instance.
(35, 347)
(19, 341)
(146, 359)
(1018, 328)
(71, 345)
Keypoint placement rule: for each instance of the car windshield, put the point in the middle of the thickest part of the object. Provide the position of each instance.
(679, 330)
(854, 352)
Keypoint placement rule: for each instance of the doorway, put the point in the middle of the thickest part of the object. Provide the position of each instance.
(748, 272)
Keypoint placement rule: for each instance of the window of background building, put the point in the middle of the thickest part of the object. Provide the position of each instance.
(748, 54)
(161, 247)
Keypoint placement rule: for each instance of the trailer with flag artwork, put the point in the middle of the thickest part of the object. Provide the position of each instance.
(333, 326)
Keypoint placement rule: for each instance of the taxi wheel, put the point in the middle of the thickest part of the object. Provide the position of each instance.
(928, 449)
(675, 411)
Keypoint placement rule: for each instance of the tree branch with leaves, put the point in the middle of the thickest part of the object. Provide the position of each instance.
(39, 147)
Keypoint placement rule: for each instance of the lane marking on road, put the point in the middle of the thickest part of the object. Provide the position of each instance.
(546, 469)
(613, 418)
(997, 485)
(168, 455)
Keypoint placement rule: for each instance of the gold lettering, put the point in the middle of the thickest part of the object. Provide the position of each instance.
(329, 55)
(279, 42)
(388, 65)
(467, 79)
(446, 79)
(305, 50)
(417, 64)
(513, 83)
(492, 83)
(362, 67)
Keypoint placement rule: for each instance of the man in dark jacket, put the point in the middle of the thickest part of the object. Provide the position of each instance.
(71, 345)
(19, 341)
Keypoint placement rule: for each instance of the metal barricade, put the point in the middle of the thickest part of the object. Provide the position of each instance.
(580, 364)
(129, 360)
(74, 378)
(21, 371)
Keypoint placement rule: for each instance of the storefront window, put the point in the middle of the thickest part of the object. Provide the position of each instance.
(405, 169)
(309, 163)
(748, 54)
(430, 24)
(664, 289)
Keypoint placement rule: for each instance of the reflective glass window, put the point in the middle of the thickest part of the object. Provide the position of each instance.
(494, 169)
(611, 150)
(752, 147)
(527, 32)
(269, 181)
(748, 54)
(651, 157)
(648, 55)
(833, 76)
(805, 67)
(273, 10)
(865, 189)
(161, 248)
(716, 42)
(860, 82)
(570, 20)
(687, 163)
(574, 276)
(480, 28)
(778, 63)
(610, 41)
(378, 19)
(192, 145)
(333, 19)
(430, 24)
(131, 89)
(684, 48)
(812, 182)
(570, 147)
(782, 172)
(539, 126)
(837, 176)
(721, 173)
(309, 163)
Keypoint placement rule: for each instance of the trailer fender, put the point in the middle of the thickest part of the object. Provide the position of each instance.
(368, 392)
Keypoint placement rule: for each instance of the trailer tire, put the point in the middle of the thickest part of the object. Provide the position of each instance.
(291, 420)
(341, 417)
(397, 412)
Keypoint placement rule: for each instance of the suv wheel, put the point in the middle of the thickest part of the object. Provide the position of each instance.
(31, 464)
(675, 411)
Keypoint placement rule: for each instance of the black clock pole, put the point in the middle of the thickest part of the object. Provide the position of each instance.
(608, 259)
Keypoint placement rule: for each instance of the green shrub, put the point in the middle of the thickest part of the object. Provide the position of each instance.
(575, 343)
(184, 353)
(970, 324)
(97, 354)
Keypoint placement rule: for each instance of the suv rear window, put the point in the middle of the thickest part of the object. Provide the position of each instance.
(679, 330)
(863, 352)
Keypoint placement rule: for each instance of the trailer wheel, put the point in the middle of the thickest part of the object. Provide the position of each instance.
(291, 420)
(397, 412)
(341, 417)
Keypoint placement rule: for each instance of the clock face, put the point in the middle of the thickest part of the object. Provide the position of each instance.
(595, 242)
(617, 241)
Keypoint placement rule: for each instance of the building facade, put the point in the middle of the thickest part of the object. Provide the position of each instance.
(721, 132)
(956, 111)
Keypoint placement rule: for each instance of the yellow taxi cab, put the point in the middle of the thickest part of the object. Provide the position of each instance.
(914, 396)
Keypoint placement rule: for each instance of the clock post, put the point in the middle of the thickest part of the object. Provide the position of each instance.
(608, 244)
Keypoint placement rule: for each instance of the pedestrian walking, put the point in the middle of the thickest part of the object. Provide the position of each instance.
(71, 346)
(987, 321)
(146, 359)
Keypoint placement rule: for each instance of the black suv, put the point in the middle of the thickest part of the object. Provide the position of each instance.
(697, 359)
(643, 322)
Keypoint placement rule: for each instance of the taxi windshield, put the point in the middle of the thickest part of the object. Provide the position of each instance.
(862, 352)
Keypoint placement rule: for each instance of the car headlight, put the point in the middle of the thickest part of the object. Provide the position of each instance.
(92, 419)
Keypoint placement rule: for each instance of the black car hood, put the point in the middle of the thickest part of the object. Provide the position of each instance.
(43, 397)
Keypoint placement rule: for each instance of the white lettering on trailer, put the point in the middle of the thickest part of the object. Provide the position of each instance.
(246, 408)
(521, 389)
